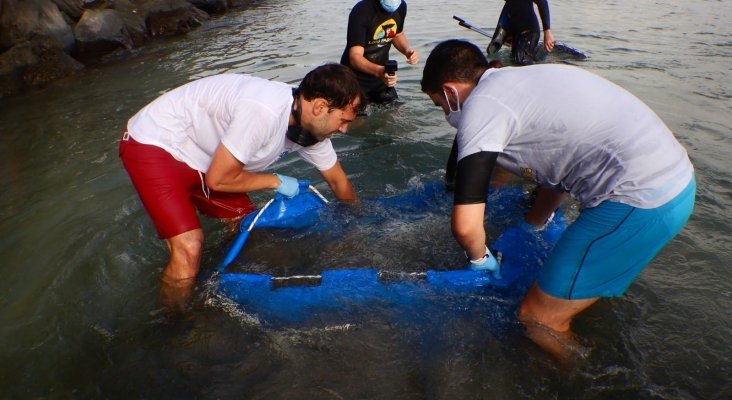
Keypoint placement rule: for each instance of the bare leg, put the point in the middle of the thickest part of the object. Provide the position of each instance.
(547, 201)
(180, 273)
(547, 321)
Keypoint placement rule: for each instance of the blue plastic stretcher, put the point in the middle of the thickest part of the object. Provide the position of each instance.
(295, 299)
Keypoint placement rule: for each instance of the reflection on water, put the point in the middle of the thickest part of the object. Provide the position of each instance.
(81, 263)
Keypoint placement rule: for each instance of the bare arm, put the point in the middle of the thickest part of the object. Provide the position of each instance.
(543, 6)
(468, 229)
(361, 63)
(548, 40)
(339, 183)
(402, 44)
(227, 174)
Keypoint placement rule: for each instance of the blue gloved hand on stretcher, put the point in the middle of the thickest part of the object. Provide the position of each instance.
(487, 263)
(289, 186)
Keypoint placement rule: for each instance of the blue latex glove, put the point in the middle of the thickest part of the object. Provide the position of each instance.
(289, 187)
(487, 263)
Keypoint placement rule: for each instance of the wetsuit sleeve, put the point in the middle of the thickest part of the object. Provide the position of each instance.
(473, 177)
(544, 13)
(450, 167)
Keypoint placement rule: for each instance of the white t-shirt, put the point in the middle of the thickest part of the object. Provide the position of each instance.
(575, 132)
(249, 115)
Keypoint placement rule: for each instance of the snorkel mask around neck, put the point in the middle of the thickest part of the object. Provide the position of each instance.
(297, 133)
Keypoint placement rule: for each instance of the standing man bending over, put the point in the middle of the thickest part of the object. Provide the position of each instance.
(205, 144)
(373, 26)
(571, 132)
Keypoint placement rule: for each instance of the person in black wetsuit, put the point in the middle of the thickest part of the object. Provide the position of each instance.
(373, 25)
(519, 26)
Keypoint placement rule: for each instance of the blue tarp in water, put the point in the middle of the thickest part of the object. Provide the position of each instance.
(297, 298)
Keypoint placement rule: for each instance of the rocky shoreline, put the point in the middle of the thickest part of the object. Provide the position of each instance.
(44, 40)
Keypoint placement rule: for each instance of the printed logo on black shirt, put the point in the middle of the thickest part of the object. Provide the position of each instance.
(384, 33)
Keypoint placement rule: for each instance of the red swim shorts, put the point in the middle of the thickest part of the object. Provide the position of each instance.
(171, 191)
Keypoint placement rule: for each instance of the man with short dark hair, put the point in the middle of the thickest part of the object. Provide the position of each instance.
(373, 25)
(204, 145)
(571, 132)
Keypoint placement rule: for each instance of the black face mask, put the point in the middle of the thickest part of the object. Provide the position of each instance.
(297, 133)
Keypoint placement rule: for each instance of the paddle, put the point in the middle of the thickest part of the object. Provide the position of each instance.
(466, 24)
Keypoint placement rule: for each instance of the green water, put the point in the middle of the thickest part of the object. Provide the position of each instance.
(80, 262)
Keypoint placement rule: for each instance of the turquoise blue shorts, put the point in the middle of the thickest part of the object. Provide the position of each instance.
(602, 252)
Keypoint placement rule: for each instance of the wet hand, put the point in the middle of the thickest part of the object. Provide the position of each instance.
(487, 263)
(288, 187)
(412, 56)
(548, 40)
(389, 80)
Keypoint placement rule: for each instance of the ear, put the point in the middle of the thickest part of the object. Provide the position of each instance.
(320, 105)
(449, 89)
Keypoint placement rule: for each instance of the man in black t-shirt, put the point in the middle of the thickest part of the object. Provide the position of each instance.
(373, 26)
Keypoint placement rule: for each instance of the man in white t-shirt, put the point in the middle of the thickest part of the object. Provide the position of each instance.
(574, 133)
(204, 145)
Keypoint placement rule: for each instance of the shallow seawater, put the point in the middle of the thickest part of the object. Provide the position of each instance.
(81, 262)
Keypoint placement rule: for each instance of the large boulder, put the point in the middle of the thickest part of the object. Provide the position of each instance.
(133, 17)
(71, 8)
(212, 6)
(240, 3)
(171, 17)
(100, 31)
(52, 64)
(34, 64)
(13, 63)
(23, 20)
(37, 36)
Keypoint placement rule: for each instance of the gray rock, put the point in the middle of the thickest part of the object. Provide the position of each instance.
(101, 31)
(38, 37)
(33, 64)
(71, 8)
(171, 17)
(52, 64)
(240, 3)
(212, 6)
(23, 20)
(14, 61)
(133, 17)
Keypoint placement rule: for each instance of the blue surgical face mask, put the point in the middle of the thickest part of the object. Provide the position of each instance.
(453, 117)
(390, 5)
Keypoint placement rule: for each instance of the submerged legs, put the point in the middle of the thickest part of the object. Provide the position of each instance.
(547, 322)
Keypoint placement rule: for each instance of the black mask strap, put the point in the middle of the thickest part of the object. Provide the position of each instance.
(297, 133)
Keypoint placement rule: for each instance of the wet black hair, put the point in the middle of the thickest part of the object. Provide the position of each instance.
(453, 61)
(335, 83)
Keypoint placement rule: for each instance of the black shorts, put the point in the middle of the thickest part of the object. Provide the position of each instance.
(383, 95)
